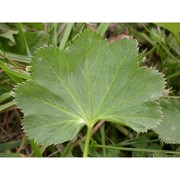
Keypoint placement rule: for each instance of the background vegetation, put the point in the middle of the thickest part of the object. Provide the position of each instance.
(159, 46)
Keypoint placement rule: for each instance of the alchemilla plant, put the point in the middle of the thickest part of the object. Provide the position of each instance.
(89, 81)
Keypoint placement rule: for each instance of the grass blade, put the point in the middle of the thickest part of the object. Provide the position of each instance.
(7, 105)
(14, 73)
(36, 149)
(5, 96)
(102, 28)
(53, 33)
(66, 35)
(23, 38)
(67, 148)
(18, 57)
(102, 130)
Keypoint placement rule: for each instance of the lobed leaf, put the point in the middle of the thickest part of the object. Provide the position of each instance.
(169, 129)
(91, 80)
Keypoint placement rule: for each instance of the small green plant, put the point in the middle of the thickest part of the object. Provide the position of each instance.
(89, 81)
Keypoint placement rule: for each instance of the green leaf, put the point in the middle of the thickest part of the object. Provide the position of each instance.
(34, 40)
(169, 129)
(91, 80)
(9, 35)
(172, 27)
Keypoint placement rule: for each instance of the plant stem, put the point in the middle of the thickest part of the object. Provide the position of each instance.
(102, 130)
(137, 149)
(88, 137)
(98, 125)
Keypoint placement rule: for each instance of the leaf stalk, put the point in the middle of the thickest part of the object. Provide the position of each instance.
(88, 137)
